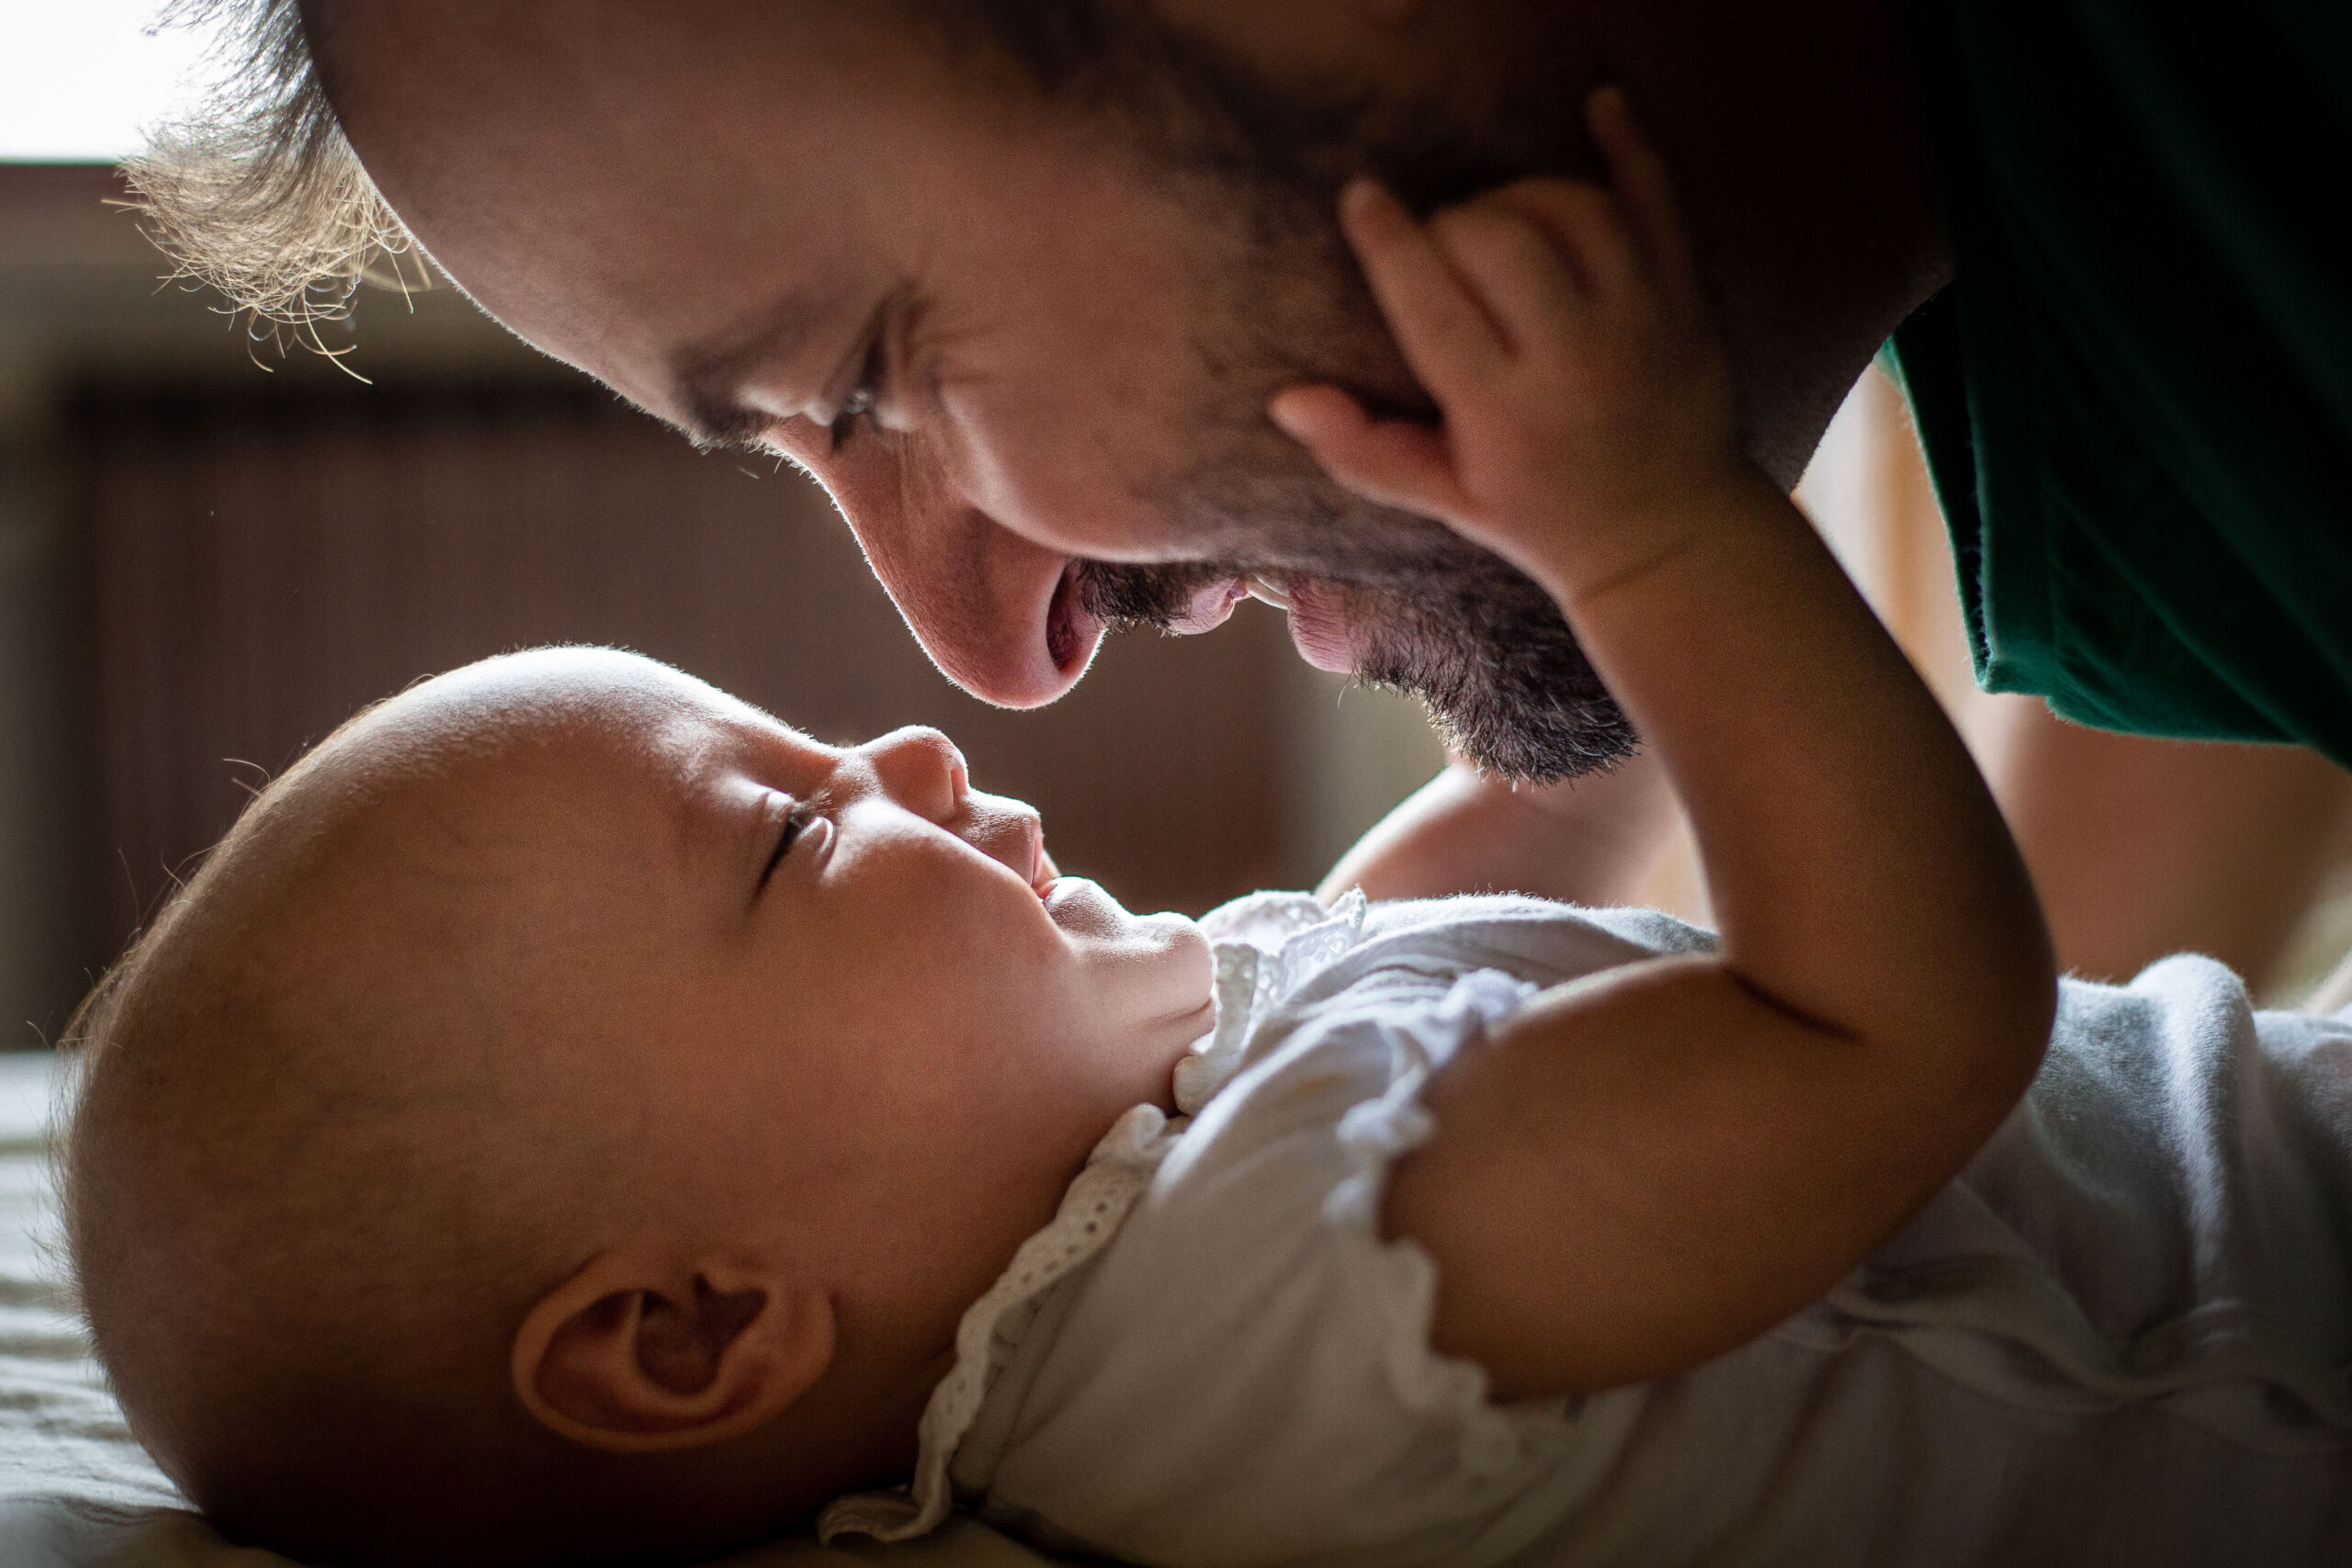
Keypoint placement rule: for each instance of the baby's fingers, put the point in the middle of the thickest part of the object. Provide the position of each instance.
(1517, 270)
(1446, 336)
(1640, 177)
(1388, 462)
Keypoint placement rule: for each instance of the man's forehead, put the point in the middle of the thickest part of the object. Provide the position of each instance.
(708, 78)
(647, 182)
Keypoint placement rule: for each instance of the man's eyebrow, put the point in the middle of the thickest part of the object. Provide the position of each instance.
(707, 375)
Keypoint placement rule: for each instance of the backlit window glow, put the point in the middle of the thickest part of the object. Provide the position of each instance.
(78, 78)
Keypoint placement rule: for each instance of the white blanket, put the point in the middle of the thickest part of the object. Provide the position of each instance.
(76, 1492)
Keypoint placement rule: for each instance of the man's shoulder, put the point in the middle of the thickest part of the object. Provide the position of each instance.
(2122, 400)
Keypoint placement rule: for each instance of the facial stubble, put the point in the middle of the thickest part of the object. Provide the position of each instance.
(1427, 612)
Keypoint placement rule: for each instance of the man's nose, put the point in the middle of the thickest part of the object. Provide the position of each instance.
(980, 599)
(920, 769)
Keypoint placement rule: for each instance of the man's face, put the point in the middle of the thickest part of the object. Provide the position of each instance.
(1024, 337)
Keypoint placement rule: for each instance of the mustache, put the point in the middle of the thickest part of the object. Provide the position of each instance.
(1493, 662)
(1128, 598)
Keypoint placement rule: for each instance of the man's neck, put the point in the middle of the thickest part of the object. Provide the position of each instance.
(1800, 143)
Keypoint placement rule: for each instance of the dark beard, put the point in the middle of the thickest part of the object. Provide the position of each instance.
(1429, 613)
(1484, 649)
(1501, 674)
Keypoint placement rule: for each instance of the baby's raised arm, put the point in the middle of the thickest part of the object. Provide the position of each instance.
(1653, 1166)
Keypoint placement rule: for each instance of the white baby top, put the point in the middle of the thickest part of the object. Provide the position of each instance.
(2122, 1336)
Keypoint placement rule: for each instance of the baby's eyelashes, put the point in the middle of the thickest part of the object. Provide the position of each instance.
(799, 819)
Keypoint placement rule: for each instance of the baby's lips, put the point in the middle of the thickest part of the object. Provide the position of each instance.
(1046, 872)
(1008, 831)
(1026, 853)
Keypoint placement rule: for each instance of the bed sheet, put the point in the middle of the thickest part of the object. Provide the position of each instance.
(76, 1492)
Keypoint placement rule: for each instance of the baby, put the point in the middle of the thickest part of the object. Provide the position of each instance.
(575, 1118)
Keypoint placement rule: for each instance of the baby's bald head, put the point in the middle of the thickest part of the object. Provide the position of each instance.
(313, 1182)
(328, 1150)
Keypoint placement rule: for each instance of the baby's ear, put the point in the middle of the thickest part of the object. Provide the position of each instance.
(649, 1349)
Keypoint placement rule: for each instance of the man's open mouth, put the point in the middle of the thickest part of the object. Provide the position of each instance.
(1072, 629)
(1093, 598)
(1209, 607)
(1482, 646)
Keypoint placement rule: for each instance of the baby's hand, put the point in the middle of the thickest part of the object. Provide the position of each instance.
(1561, 328)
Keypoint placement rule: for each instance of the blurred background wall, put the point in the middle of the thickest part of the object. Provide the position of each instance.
(211, 555)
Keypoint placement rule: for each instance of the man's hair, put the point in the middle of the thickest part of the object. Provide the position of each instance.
(258, 193)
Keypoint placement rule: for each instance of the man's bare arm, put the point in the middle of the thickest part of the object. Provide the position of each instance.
(1592, 841)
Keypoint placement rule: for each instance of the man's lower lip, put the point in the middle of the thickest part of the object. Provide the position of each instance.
(1319, 628)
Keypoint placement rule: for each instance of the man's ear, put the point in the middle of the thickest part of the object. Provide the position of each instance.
(648, 1348)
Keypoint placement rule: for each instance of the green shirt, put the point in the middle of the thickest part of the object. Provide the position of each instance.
(2136, 398)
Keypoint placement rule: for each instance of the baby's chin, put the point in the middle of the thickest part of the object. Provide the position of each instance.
(1160, 965)
(1082, 909)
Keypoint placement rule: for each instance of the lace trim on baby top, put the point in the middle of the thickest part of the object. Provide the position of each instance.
(1268, 945)
(1115, 1175)
(1304, 937)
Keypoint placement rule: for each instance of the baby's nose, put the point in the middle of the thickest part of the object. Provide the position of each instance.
(922, 770)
